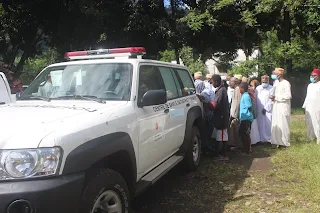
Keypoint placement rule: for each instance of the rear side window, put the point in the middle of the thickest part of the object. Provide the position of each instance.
(149, 79)
(169, 82)
(188, 84)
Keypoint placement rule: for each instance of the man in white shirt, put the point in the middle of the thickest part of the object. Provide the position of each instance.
(264, 108)
(281, 112)
(311, 106)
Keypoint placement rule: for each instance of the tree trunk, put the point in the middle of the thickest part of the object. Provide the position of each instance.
(287, 35)
(193, 4)
(18, 68)
(243, 42)
(173, 26)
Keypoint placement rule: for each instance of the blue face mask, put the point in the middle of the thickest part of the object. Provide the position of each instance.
(227, 82)
(312, 80)
(265, 85)
(274, 77)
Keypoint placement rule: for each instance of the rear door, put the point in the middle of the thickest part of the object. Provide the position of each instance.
(175, 121)
(188, 90)
(5, 93)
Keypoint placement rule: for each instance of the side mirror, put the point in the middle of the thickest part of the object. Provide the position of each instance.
(153, 97)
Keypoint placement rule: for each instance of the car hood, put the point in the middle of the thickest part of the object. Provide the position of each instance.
(24, 124)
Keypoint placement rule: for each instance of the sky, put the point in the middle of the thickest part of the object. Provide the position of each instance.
(166, 3)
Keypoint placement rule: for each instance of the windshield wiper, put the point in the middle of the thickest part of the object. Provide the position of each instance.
(35, 98)
(81, 97)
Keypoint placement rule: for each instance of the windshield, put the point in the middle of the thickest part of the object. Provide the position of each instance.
(111, 81)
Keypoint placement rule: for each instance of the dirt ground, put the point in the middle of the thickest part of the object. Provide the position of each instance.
(215, 187)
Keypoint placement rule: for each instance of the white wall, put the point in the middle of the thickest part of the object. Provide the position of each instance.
(212, 64)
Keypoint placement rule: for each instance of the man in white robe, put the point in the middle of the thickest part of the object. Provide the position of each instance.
(281, 112)
(234, 138)
(232, 84)
(311, 106)
(264, 108)
(46, 88)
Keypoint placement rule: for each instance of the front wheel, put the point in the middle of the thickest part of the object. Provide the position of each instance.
(105, 192)
(192, 156)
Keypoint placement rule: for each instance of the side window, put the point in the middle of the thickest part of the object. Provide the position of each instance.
(149, 79)
(169, 82)
(176, 80)
(187, 82)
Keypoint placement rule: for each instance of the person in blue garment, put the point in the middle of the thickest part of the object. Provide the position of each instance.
(246, 118)
(198, 82)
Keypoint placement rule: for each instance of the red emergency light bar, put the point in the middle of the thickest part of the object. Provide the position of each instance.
(127, 51)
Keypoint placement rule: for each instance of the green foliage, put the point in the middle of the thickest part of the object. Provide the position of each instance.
(198, 31)
(167, 56)
(189, 59)
(246, 68)
(304, 53)
(192, 61)
(196, 21)
(33, 66)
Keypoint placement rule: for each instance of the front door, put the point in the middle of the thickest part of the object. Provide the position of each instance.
(151, 121)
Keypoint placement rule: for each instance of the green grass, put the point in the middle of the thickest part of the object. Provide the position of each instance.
(300, 164)
(294, 183)
(297, 111)
(290, 185)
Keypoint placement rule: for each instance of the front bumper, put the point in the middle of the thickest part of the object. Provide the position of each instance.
(55, 195)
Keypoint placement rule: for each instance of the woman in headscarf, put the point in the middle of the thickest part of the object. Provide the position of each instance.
(255, 135)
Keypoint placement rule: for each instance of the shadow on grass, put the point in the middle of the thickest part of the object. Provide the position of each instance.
(209, 189)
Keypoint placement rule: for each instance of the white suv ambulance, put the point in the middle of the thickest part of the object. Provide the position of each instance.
(90, 134)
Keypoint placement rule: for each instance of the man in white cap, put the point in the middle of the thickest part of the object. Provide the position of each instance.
(280, 127)
(311, 105)
(200, 86)
(207, 81)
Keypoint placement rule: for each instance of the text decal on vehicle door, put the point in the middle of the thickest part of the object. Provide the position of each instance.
(170, 104)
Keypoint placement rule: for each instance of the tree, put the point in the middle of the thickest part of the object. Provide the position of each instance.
(33, 66)
(20, 34)
(211, 20)
(295, 18)
(189, 58)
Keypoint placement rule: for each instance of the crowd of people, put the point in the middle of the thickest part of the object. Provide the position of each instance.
(240, 112)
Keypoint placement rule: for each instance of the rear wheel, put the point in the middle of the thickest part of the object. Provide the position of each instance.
(105, 192)
(192, 156)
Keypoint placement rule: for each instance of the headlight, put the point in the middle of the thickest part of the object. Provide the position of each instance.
(18, 164)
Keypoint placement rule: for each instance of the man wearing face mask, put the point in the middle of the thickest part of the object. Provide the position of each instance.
(275, 81)
(228, 78)
(281, 112)
(311, 106)
(264, 108)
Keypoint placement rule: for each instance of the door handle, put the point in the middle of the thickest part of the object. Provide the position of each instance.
(166, 110)
(187, 104)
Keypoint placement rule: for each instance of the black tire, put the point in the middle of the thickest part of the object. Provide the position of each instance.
(190, 163)
(105, 181)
